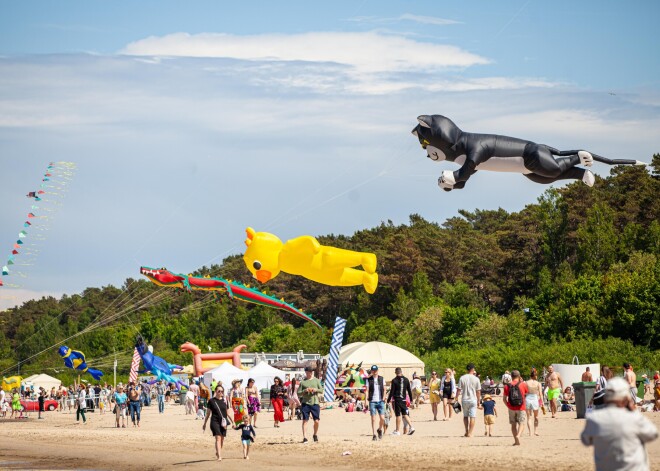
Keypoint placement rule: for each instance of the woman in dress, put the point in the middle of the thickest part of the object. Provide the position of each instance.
(253, 402)
(220, 419)
(277, 393)
(292, 394)
(237, 398)
(448, 393)
(435, 394)
(532, 401)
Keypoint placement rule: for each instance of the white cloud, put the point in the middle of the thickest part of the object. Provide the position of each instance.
(428, 20)
(368, 52)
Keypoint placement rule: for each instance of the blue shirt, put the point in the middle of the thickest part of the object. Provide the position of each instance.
(489, 407)
(120, 398)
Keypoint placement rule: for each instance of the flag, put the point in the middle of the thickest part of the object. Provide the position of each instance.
(333, 363)
(135, 364)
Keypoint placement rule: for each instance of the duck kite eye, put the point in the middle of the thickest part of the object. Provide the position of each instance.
(257, 265)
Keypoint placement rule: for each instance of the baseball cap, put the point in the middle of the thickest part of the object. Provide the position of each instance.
(374, 367)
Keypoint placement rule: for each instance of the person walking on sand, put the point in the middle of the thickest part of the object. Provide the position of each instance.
(121, 406)
(82, 404)
(435, 393)
(554, 385)
(277, 393)
(292, 394)
(618, 432)
(376, 397)
(469, 388)
(160, 392)
(253, 402)
(399, 389)
(448, 393)
(514, 398)
(490, 412)
(533, 401)
(309, 391)
(220, 419)
(248, 434)
(416, 386)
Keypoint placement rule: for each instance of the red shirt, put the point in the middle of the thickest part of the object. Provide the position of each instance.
(523, 390)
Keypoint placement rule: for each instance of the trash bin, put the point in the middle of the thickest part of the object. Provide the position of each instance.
(640, 388)
(584, 392)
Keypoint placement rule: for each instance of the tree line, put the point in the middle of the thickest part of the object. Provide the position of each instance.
(575, 273)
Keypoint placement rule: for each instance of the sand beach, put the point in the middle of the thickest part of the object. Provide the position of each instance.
(174, 441)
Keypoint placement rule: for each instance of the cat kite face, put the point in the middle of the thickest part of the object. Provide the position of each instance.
(439, 136)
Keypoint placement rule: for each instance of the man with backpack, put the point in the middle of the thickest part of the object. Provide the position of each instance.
(514, 398)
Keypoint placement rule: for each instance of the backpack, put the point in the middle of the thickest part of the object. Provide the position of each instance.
(515, 395)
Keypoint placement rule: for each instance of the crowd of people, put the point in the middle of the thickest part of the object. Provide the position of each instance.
(615, 402)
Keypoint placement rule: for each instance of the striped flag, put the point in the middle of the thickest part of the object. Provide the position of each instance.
(333, 363)
(135, 364)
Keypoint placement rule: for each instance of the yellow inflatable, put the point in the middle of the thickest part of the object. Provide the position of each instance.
(266, 256)
(10, 383)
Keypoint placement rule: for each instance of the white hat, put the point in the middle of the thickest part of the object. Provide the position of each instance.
(616, 389)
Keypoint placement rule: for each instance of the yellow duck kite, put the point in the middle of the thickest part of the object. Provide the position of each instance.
(266, 256)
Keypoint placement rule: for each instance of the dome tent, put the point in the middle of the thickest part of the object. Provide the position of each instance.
(225, 374)
(386, 356)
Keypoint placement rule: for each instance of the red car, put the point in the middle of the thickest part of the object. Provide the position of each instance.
(33, 406)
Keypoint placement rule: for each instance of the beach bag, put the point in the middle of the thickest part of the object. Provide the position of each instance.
(515, 395)
(457, 407)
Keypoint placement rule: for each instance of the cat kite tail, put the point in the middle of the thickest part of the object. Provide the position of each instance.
(76, 360)
(443, 140)
(266, 256)
(235, 290)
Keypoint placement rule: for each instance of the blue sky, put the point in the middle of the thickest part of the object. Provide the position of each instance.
(189, 121)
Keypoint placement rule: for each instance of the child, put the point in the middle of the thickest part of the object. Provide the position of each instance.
(490, 412)
(247, 435)
(201, 412)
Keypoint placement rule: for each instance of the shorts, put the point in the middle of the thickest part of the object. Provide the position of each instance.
(247, 442)
(469, 408)
(554, 394)
(489, 419)
(517, 416)
(400, 407)
(314, 410)
(377, 407)
(217, 430)
(446, 394)
(532, 402)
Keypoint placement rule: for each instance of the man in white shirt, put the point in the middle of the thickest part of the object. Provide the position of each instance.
(618, 432)
(416, 386)
(469, 388)
(376, 397)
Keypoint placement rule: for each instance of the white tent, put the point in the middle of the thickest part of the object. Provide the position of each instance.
(386, 356)
(263, 375)
(225, 373)
(41, 381)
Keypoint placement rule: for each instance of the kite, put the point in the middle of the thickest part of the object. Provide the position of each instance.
(76, 360)
(57, 175)
(266, 256)
(443, 140)
(164, 277)
(155, 365)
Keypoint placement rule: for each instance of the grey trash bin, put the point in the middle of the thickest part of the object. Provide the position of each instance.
(584, 393)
